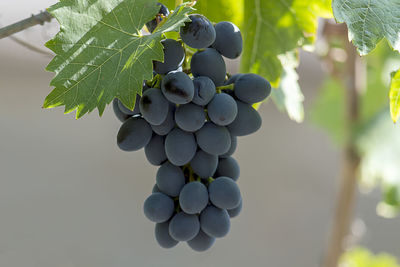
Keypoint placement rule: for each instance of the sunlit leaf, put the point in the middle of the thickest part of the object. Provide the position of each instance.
(394, 96)
(288, 96)
(369, 21)
(97, 39)
(273, 28)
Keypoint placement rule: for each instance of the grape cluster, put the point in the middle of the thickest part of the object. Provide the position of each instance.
(188, 121)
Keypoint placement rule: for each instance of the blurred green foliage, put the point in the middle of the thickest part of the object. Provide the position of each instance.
(378, 139)
(361, 257)
(328, 110)
(379, 146)
(273, 28)
(288, 96)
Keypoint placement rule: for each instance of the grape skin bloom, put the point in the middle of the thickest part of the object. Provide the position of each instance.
(222, 109)
(215, 222)
(134, 134)
(184, 227)
(190, 117)
(177, 87)
(164, 239)
(209, 63)
(224, 193)
(213, 139)
(154, 106)
(170, 179)
(228, 39)
(180, 147)
(198, 33)
(158, 207)
(193, 197)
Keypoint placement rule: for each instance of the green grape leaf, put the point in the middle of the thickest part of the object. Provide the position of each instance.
(288, 95)
(101, 52)
(361, 257)
(369, 21)
(217, 10)
(273, 28)
(394, 96)
(379, 147)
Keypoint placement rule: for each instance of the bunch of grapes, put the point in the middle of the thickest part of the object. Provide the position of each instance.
(188, 121)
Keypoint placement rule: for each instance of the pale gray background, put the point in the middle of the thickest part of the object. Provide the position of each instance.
(70, 198)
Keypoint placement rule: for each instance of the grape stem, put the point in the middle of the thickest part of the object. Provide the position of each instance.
(155, 82)
(225, 87)
(188, 56)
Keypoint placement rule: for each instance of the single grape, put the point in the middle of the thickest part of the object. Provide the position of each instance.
(228, 40)
(134, 134)
(166, 126)
(155, 189)
(193, 197)
(118, 113)
(204, 164)
(222, 109)
(190, 117)
(246, 122)
(213, 139)
(170, 179)
(204, 90)
(228, 167)
(154, 106)
(235, 211)
(201, 242)
(161, 232)
(215, 222)
(158, 207)
(173, 57)
(252, 88)
(209, 63)
(177, 87)
(151, 25)
(126, 110)
(155, 151)
(184, 227)
(232, 149)
(224, 193)
(198, 33)
(180, 147)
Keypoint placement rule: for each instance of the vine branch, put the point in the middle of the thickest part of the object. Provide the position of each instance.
(348, 183)
(31, 47)
(40, 18)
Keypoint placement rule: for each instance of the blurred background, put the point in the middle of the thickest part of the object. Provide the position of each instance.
(70, 198)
